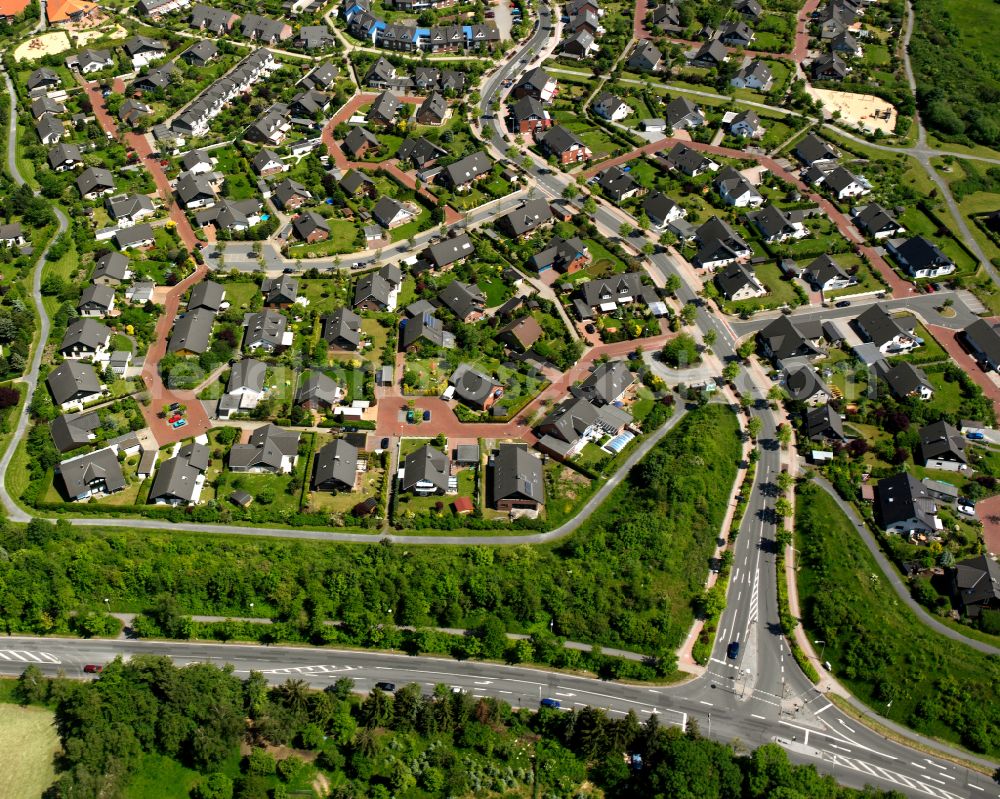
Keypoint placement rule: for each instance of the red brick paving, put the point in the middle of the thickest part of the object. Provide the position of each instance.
(948, 339)
(802, 30)
(160, 395)
(897, 286)
(988, 512)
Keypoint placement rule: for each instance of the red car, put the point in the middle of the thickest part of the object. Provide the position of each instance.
(175, 418)
(91, 668)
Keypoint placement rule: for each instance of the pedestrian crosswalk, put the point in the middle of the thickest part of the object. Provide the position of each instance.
(924, 785)
(22, 656)
(310, 670)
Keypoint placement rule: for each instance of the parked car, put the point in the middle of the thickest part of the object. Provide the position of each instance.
(385, 443)
(427, 416)
(844, 304)
(975, 435)
(965, 506)
(555, 704)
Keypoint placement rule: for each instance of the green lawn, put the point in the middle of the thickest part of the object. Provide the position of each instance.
(878, 647)
(343, 239)
(930, 350)
(29, 741)
(495, 291)
(271, 484)
(412, 228)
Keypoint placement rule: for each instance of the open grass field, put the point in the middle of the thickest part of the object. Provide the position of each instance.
(877, 646)
(28, 741)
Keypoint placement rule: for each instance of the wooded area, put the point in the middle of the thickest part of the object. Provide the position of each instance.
(148, 713)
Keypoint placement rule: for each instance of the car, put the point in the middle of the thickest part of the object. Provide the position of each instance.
(975, 435)
(590, 328)
(388, 687)
(490, 14)
(555, 704)
(965, 507)
(288, 270)
(173, 418)
(92, 668)
(844, 304)
(174, 406)
(427, 416)
(385, 443)
(179, 423)
(733, 650)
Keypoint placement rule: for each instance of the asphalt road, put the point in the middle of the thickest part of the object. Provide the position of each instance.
(817, 734)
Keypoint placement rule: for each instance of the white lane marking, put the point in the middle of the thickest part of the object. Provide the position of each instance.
(4, 655)
(841, 748)
(736, 574)
(936, 765)
(565, 695)
(845, 725)
(754, 715)
(653, 691)
(49, 658)
(706, 703)
(739, 596)
(976, 787)
(934, 779)
(922, 768)
(504, 692)
(17, 656)
(483, 682)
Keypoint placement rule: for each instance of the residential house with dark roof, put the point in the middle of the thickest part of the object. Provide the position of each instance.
(976, 585)
(289, 195)
(711, 54)
(607, 294)
(737, 281)
(466, 301)
(661, 210)
(777, 226)
(135, 237)
(462, 174)
(517, 482)
(942, 447)
(216, 20)
(201, 53)
(735, 33)
(983, 339)
(390, 213)
(423, 330)
(179, 480)
(536, 83)
(611, 107)
(891, 334)
(419, 152)
(96, 300)
(803, 384)
(94, 474)
(564, 255)
(824, 424)
(813, 150)
(359, 141)
(127, 209)
(574, 422)
(74, 384)
(85, 338)
(449, 251)
(719, 245)
(336, 467)
(318, 392)
(528, 115)
(433, 110)
(378, 291)
(356, 183)
(756, 75)
(529, 216)
(474, 388)
(426, 471)
(875, 222)
(195, 190)
(906, 380)
(95, 182)
(111, 269)
(314, 37)
(271, 449)
(74, 430)
(342, 329)
(245, 387)
(564, 145)
(309, 103)
(921, 258)
(747, 125)
(280, 292)
(192, 332)
(829, 66)
(265, 30)
(786, 340)
(311, 227)
(645, 57)
(606, 384)
(207, 294)
(267, 162)
(905, 507)
(688, 160)
(824, 274)
(683, 114)
(64, 157)
(383, 109)
(845, 185)
(617, 184)
(265, 330)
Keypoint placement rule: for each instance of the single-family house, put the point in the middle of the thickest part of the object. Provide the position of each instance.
(342, 329)
(271, 449)
(905, 507)
(336, 467)
(74, 384)
(517, 482)
(426, 471)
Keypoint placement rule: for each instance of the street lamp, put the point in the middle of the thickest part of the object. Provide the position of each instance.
(822, 651)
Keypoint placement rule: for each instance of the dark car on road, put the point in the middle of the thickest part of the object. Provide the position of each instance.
(92, 668)
(388, 687)
(844, 304)
(555, 704)
(733, 650)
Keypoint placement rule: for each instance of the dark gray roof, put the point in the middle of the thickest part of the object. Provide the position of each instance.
(265, 450)
(940, 440)
(517, 474)
(471, 385)
(904, 379)
(902, 497)
(373, 286)
(95, 178)
(427, 464)
(785, 340)
(558, 139)
(658, 206)
(528, 216)
(43, 76)
(72, 379)
(318, 388)
(462, 298)
(978, 581)
(450, 250)
(468, 169)
(336, 466)
(386, 209)
(610, 289)
(177, 477)
(358, 137)
(354, 180)
(100, 468)
(85, 332)
(920, 253)
(200, 52)
(570, 419)
(527, 107)
(679, 110)
(419, 151)
(288, 190)
(265, 157)
(873, 218)
(307, 222)
(732, 278)
(880, 326)
(64, 154)
(265, 327)
(343, 326)
(823, 269)
(616, 183)
(143, 44)
(97, 297)
(802, 383)
(711, 51)
(191, 186)
(426, 327)
(247, 373)
(207, 294)
(824, 422)
(687, 159)
(136, 234)
(384, 108)
(606, 383)
(434, 104)
(127, 206)
(812, 149)
(282, 290)
(985, 338)
(73, 430)
(112, 265)
(192, 331)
